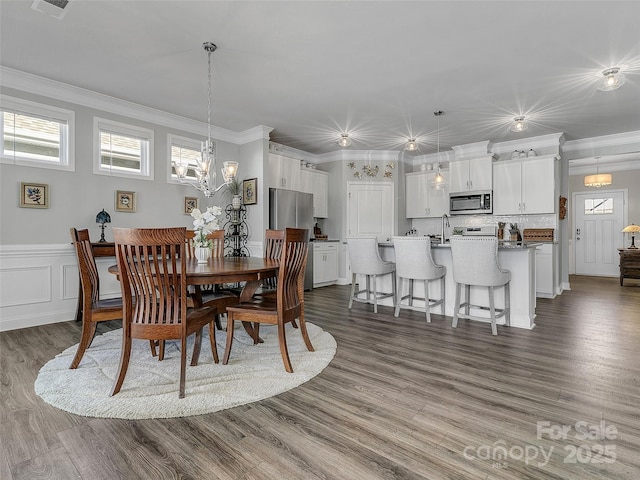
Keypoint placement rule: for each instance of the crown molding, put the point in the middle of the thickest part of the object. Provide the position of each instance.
(36, 85)
(473, 150)
(618, 143)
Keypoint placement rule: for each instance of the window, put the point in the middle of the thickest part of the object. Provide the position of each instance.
(598, 206)
(36, 135)
(122, 150)
(182, 148)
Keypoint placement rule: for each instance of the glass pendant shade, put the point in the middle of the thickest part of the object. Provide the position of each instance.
(344, 141)
(519, 125)
(612, 80)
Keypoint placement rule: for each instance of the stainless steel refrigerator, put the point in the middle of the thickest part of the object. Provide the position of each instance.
(288, 208)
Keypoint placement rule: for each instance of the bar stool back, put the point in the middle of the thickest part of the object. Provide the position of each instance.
(364, 257)
(414, 262)
(475, 262)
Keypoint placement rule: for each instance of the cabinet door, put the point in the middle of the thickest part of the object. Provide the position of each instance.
(290, 171)
(320, 190)
(506, 188)
(459, 176)
(438, 199)
(480, 174)
(538, 186)
(306, 181)
(416, 195)
(544, 271)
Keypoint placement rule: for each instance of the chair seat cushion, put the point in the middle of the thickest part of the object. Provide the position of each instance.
(108, 304)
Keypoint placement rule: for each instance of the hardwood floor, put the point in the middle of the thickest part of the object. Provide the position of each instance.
(401, 399)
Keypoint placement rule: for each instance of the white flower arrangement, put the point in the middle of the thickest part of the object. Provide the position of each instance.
(204, 223)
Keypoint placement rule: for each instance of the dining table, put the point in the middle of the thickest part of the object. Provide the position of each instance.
(220, 270)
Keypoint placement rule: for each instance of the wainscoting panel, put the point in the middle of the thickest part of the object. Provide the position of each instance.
(38, 285)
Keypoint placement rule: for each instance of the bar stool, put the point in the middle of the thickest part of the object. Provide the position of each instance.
(364, 257)
(475, 262)
(414, 262)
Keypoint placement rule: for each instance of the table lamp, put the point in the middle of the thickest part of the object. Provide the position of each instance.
(632, 229)
(102, 218)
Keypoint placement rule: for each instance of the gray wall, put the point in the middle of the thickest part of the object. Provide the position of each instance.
(76, 197)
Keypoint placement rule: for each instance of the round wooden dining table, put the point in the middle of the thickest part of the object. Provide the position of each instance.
(251, 270)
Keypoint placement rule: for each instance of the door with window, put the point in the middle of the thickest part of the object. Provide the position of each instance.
(598, 219)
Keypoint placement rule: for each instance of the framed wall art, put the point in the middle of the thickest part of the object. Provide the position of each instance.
(34, 195)
(125, 201)
(189, 204)
(250, 191)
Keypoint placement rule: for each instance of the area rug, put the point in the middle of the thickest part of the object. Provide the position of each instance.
(150, 389)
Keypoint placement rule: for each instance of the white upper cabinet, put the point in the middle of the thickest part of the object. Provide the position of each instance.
(421, 200)
(284, 172)
(470, 175)
(524, 186)
(316, 183)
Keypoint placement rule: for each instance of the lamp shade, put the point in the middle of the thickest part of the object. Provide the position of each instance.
(598, 180)
(103, 217)
(631, 229)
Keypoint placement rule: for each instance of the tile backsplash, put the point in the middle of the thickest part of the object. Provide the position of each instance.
(432, 226)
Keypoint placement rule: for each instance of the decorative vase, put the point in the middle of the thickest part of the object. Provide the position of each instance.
(202, 254)
(236, 202)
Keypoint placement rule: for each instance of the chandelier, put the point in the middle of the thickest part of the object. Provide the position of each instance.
(205, 169)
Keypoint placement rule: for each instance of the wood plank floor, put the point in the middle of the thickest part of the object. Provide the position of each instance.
(401, 399)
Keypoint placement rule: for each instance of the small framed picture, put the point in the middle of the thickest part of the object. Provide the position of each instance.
(34, 195)
(250, 191)
(125, 201)
(189, 204)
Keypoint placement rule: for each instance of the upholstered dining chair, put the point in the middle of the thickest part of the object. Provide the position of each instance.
(364, 257)
(94, 309)
(152, 271)
(475, 262)
(288, 304)
(414, 262)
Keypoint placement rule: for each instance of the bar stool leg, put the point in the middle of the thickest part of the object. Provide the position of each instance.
(353, 290)
(368, 288)
(398, 299)
(375, 295)
(442, 293)
(467, 294)
(507, 305)
(394, 290)
(456, 307)
(426, 301)
(492, 309)
(411, 292)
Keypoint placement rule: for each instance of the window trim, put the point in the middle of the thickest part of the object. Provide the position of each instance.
(124, 129)
(67, 160)
(181, 141)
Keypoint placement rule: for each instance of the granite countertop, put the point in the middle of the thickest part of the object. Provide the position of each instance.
(501, 245)
(323, 240)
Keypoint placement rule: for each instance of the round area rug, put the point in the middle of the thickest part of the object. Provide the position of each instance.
(150, 388)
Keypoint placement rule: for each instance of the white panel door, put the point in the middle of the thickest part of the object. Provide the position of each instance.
(599, 220)
(370, 210)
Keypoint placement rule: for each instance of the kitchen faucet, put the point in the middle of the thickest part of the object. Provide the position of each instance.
(445, 219)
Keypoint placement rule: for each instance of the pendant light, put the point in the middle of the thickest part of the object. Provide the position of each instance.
(438, 182)
(205, 169)
(599, 179)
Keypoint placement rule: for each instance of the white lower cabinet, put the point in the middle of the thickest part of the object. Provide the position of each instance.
(545, 271)
(325, 263)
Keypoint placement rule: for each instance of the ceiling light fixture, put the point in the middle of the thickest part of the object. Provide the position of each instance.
(599, 179)
(612, 80)
(632, 229)
(205, 170)
(519, 125)
(344, 141)
(411, 145)
(438, 182)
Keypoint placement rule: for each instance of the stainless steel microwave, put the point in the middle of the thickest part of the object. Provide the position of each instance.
(469, 203)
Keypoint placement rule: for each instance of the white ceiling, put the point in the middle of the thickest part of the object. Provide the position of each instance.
(377, 70)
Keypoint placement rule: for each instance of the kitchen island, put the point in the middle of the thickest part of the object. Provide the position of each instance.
(519, 259)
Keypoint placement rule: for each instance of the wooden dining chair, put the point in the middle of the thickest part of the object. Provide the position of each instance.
(93, 309)
(152, 266)
(288, 304)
